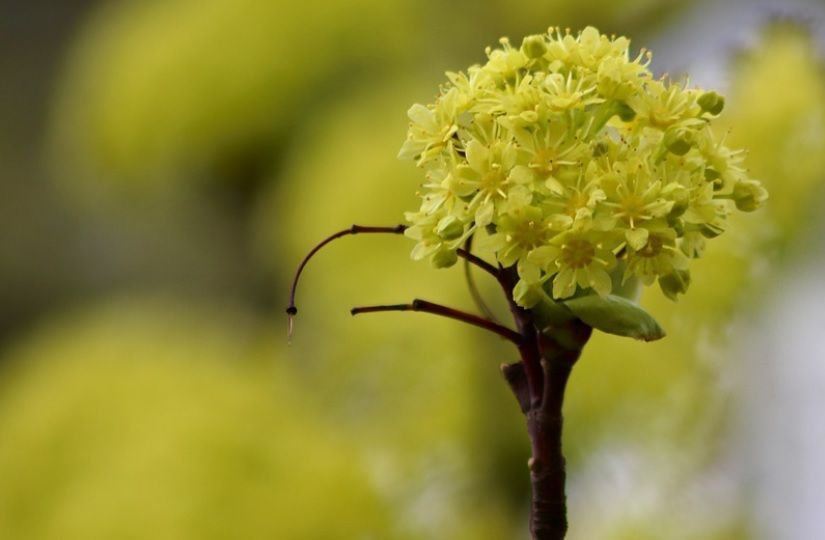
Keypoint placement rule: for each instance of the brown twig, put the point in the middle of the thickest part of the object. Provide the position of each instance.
(292, 309)
(479, 262)
(444, 311)
(354, 229)
(548, 511)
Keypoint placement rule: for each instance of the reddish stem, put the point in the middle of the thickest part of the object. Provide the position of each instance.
(292, 309)
(444, 311)
(548, 511)
(354, 229)
(539, 382)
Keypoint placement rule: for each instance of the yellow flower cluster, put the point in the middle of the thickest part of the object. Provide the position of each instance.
(579, 165)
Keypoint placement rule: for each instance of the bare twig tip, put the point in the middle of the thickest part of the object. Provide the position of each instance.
(290, 328)
(354, 229)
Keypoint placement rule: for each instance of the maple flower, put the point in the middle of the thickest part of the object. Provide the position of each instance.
(578, 166)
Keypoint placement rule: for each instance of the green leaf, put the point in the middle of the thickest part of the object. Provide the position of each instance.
(549, 313)
(616, 315)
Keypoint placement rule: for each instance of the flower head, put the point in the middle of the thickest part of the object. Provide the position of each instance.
(578, 164)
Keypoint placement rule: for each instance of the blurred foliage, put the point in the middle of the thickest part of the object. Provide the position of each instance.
(609, 16)
(156, 418)
(161, 88)
(157, 91)
(249, 131)
(145, 419)
(778, 113)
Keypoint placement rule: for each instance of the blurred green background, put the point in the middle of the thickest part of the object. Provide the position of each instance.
(165, 164)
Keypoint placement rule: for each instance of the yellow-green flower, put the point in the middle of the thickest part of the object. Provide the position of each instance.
(576, 259)
(576, 204)
(573, 157)
(437, 238)
(486, 178)
(550, 152)
(658, 256)
(568, 94)
(518, 232)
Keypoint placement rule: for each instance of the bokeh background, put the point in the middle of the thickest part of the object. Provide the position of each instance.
(165, 164)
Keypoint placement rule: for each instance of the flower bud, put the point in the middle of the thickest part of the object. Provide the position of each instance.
(677, 224)
(444, 258)
(710, 230)
(534, 46)
(625, 111)
(680, 197)
(679, 141)
(675, 283)
(711, 102)
(449, 228)
(693, 244)
(713, 176)
(749, 195)
(610, 109)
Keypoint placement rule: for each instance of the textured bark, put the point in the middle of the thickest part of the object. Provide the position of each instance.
(539, 382)
(548, 511)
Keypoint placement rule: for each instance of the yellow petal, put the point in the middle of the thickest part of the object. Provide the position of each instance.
(637, 238)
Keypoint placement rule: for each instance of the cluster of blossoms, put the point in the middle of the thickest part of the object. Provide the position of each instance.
(581, 168)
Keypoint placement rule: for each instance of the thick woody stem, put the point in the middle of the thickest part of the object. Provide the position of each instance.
(528, 350)
(516, 377)
(548, 511)
(539, 382)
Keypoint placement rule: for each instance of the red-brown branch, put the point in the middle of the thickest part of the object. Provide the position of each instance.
(355, 229)
(539, 382)
(479, 262)
(444, 311)
(292, 309)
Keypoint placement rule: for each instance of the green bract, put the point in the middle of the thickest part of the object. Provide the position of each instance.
(572, 158)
